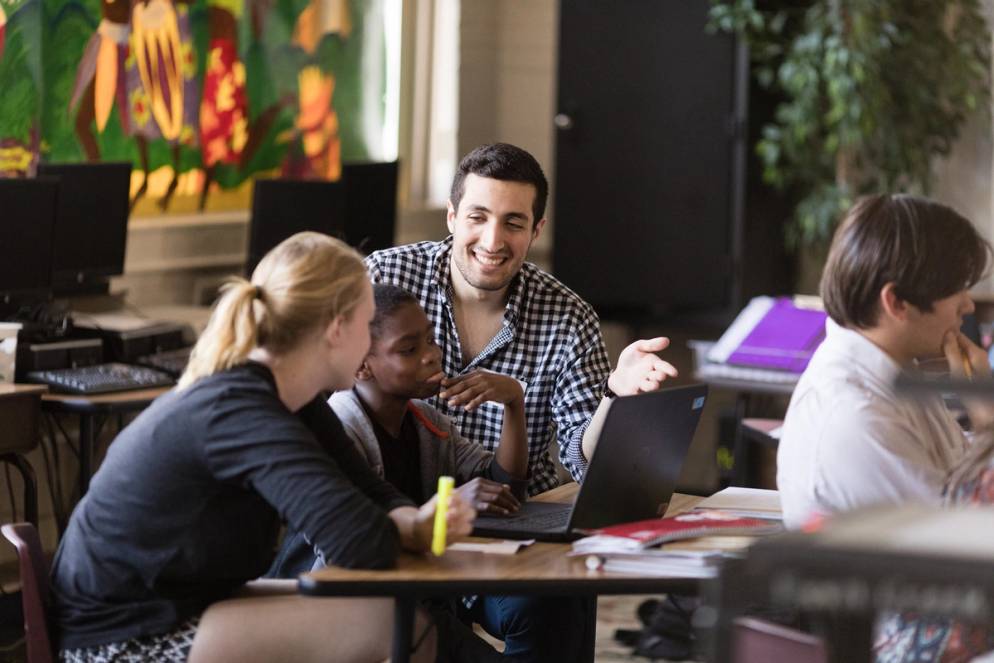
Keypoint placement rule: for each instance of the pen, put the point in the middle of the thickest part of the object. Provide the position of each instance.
(967, 367)
(445, 485)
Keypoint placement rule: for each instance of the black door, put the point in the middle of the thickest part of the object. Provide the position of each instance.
(646, 196)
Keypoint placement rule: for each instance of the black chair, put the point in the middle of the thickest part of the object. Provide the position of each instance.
(20, 410)
(370, 204)
(34, 568)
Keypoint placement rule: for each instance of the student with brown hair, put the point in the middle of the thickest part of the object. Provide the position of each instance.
(187, 506)
(895, 288)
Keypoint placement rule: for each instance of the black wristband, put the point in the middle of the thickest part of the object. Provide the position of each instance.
(606, 389)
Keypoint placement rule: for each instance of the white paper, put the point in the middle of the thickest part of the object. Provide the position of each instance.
(751, 502)
(494, 548)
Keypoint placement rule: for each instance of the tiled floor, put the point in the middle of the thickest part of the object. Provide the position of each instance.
(614, 612)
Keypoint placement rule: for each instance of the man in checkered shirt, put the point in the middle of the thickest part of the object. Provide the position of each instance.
(499, 318)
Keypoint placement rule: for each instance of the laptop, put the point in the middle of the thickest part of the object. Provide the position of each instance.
(633, 472)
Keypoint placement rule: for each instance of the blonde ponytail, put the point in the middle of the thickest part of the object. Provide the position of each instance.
(305, 282)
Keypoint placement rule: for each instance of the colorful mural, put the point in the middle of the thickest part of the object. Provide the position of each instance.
(201, 95)
(20, 86)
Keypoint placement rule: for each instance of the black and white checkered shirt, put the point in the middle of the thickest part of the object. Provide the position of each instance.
(550, 340)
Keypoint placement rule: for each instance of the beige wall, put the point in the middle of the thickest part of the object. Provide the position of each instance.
(507, 81)
(963, 180)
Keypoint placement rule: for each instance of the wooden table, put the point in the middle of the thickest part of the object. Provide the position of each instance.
(541, 569)
(90, 406)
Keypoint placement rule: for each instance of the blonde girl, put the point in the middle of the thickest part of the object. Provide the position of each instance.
(187, 506)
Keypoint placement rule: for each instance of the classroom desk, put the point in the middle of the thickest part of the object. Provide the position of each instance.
(19, 414)
(539, 569)
(88, 407)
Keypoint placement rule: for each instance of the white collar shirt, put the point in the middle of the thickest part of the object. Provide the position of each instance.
(849, 441)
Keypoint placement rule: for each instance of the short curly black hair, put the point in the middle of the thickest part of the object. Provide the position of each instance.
(388, 299)
(502, 161)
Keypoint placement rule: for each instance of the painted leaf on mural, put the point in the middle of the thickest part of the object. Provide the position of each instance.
(200, 95)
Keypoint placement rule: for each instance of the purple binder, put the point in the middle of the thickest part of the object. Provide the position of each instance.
(784, 339)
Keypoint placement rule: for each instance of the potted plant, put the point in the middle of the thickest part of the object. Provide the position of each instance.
(872, 91)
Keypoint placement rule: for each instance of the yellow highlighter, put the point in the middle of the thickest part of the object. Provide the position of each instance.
(445, 486)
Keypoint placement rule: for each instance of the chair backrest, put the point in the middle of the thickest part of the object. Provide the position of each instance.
(760, 641)
(34, 589)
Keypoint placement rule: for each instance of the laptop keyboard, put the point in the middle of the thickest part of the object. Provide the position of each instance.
(534, 520)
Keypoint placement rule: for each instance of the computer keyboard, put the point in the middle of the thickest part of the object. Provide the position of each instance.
(101, 378)
(172, 362)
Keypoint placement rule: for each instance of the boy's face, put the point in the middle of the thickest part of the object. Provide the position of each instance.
(927, 330)
(404, 360)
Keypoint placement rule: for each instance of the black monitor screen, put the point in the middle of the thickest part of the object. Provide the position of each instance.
(27, 222)
(370, 204)
(281, 208)
(92, 226)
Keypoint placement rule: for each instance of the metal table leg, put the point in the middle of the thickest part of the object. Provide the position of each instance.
(403, 629)
(85, 452)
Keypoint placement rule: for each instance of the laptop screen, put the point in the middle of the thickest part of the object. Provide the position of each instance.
(639, 456)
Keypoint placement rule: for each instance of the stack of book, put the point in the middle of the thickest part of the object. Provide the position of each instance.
(694, 542)
(779, 334)
(771, 341)
(745, 502)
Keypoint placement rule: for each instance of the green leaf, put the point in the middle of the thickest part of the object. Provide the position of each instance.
(888, 81)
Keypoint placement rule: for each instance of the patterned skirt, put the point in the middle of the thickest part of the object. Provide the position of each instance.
(171, 646)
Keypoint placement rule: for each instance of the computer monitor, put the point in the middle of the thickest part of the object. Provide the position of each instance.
(27, 223)
(370, 204)
(92, 225)
(281, 208)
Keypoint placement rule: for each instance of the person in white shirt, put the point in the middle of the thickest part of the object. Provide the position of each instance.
(895, 288)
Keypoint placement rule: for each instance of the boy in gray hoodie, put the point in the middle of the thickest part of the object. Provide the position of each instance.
(410, 443)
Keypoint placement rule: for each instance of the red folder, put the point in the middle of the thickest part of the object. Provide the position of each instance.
(710, 522)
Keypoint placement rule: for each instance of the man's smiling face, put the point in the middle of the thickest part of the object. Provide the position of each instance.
(492, 231)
